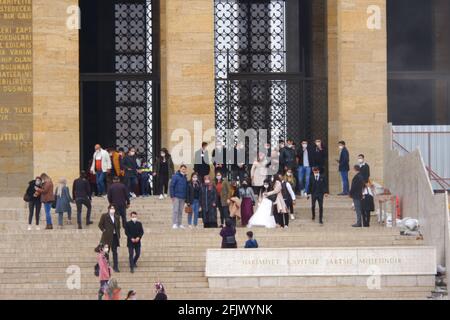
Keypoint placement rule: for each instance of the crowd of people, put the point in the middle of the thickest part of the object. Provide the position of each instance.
(223, 194)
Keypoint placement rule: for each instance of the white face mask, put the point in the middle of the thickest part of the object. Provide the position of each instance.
(341, 147)
(289, 174)
(219, 177)
(105, 249)
(163, 154)
(112, 212)
(132, 153)
(195, 179)
(316, 175)
(318, 144)
(361, 160)
(304, 146)
(266, 186)
(134, 219)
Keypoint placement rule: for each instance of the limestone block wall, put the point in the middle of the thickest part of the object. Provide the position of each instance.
(357, 59)
(187, 68)
(56, 91)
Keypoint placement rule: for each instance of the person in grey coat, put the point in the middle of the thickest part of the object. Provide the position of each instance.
(63, 200)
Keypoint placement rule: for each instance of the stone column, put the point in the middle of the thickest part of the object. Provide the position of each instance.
(56, 91)
(357, 84)
(187, 68)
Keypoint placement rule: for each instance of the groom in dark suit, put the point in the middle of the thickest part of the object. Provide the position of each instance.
(318, 189)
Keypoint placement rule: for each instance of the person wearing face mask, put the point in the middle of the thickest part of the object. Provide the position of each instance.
(201, 161)
(219, 157)
(119, 197)
(318, 189)
(130, 167)
(208, 207)
(287, 156)
(134, 232)
(223, 196)
(356, 193)
(104, 270)
(248, 200)
(34, 201)
(178, 193)
(109, 225)
(193, 199)
(289, 198)
(365, 169)
(81, 191)
(319, 156)
(258, 172)
(263, 216)
(101, 166)
(344, 168)
(305, 161)
(164, 169)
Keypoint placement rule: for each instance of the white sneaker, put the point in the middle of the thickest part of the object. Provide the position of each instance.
(133, 195)
(38, 228)
(174, 226)
(29, 228)
(165, 195)
(190, 226)
(286, 227)
(181, 226)
(292, 217)
(161, 197)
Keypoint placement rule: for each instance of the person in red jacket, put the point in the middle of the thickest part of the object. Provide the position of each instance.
(104, 268)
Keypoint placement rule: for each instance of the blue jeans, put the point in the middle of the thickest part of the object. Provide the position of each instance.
(100, 178)
(131, 183)
(48, 209)
(304, 173)
(195, 206)
(345, 184)
(358, 209)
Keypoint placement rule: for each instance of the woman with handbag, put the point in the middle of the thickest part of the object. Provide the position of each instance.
(102, 269)
(193, 200)
(276, 195)
(228, 234)
(368, 205)
(34, 201)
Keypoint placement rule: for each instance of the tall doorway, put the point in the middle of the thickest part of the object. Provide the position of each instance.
(119, 76)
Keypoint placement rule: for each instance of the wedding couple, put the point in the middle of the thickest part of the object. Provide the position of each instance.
(264, 215)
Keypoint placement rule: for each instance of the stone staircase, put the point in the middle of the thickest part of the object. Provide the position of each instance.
(34, 264)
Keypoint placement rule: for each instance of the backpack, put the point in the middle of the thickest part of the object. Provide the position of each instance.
(97, 270)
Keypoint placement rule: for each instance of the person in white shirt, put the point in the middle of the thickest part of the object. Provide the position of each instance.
(101, 166)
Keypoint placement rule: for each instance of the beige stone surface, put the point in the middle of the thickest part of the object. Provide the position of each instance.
(357, 58)
(187, 77)
(56, 91)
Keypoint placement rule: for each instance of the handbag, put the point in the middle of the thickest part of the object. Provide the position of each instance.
(272, 198)
(369, 203)
(230, 240)
(26, 197)
(188, 209)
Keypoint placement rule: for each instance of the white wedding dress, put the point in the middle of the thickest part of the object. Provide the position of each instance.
(263, 216)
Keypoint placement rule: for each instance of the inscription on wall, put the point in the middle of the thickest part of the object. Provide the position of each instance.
(16, 96)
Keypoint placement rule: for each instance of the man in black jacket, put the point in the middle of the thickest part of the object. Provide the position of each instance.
(131, 171)
(287, 157)
(219, 156)
(201, 161)
(344, 167)
(318, 189)
(81, 191)
(118, 196)
(319, 156)
(365, 169)
(356, 193)
(134, 232)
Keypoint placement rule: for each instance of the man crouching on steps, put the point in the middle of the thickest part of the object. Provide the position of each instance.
(318, 189)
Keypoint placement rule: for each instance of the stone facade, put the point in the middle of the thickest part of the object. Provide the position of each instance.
(357, 84)
(56, 134)
(357, 73)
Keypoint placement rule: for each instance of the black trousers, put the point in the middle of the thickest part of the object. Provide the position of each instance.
(317, 198)
(122, 211)
(289, 204)
(281, 219)
(257, 190)
(366, 218)
(134, 252)
(34, 207)
(163, 182)
(224, 212)
(80, 202)
(115, 245)
(101, 292)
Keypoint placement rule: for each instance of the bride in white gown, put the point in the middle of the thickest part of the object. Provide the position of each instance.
(263, 216)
